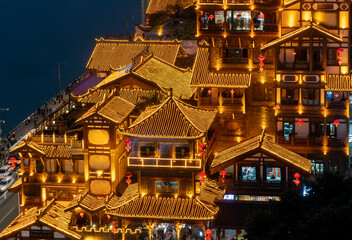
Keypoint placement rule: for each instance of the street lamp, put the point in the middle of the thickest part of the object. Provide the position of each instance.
(58, 74)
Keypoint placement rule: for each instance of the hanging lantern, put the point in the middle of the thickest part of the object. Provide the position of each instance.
(261, 69)
(201, 145)
(208, 232)
(238, 232)
(128, 147)
(127, 141)
(336, 95)
(223, 179)
(209, 91)
(261, 16)
(201, 151)
(202, 174)
(12, 160)
(128, 180)
(223, 172)
(12, 166)
(81, 214)
(202, 180)
(339, 62)
(239, 16)
(261, 64)
(108, 216)
(261, 58)
(336, 122)
(297, 182)
(208, 238)
(340, 57)
(300, 121)
(128, 174)
(294, 52)
(113, 230)
(340, 50)
(211, 16)
(113, 223)
(128, 144)
(297, 175)
(232, 91)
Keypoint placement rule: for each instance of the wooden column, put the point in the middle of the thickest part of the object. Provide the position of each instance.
(311, 53)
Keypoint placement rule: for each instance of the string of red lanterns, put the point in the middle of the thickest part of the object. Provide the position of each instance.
(12, 161)
(202, 175)
(128, 144)
(339, 56)
(261, 63)
(297, 175)
(223, 174)
(128, 175)
(114, 225)
(201, 147)
(208, 232)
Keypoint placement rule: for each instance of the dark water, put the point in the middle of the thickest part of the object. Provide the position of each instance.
(36, 35)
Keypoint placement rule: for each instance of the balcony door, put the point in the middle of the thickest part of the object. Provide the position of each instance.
(165, 150)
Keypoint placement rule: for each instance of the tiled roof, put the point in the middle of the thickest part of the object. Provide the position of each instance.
(114, 54)
(87, 202)
(263, 143)
(166, 76)
(160, 5)
(202, 77)
(131, 193)
(94, 95)
(28, 144)
(52, 215)
(57, 151)
(312, 28)
(172, 119)
(209, 192)
(16, 187)
(137, 95)
(115, 110)
(163, 208)
(338, 83)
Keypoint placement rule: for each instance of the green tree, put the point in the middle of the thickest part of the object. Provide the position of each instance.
(326, 213)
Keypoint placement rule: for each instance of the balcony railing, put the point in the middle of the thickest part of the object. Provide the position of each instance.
(211, 1)
(229, 2)
(164, 162)
(302, 141)
(337, 105)
(337, 142)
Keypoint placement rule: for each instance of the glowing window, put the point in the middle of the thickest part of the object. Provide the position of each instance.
(166, 187)
(273, 174)
(249, 173)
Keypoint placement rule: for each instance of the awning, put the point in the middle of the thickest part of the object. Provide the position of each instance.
(338, 83)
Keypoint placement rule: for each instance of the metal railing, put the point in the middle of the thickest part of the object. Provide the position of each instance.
(164, 162)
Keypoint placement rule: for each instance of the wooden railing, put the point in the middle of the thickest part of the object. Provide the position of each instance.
(164, 162)
(302, 141)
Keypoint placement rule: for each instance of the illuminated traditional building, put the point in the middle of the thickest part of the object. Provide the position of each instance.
(156, 147)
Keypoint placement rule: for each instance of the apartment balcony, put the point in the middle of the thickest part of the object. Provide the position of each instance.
(152, 162)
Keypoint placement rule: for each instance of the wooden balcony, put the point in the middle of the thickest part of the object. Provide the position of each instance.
(150, 162)
(301, 141)
(206, 2)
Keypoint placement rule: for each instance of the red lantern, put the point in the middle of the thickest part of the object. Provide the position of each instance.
(128, 147)
(127, 141)
(336, 95)
(201, 145)
(297, 175)
(108, 216)
(113, 223)
(211, 16)
(81, 214)
(340, 50)
(209, 91)
(12, 160)
(128, 181)
(12, 166)
(208, 232)
(261, 69)
(294, 53)
(202, 174)
(340, 57)
(207, 238)
(114, 230)
(238, 15)
(223, 172)
(202, 180)
(238, 232)
(336, 122)
(339, 62)
(223, 179)
(297, 182)
(128, 174)
(300, 121)
(261, 16)
(261, 64)
(261, 58)
(201, 151)
(232, 91)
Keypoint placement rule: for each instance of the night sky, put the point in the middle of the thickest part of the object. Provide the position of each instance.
(37, 35)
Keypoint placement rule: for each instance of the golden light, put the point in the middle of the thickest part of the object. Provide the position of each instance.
(176, 195)
(344, 69)
(306, 15)
(143, 194)
(160, 31)
(344, 19)
(238, 139)
(73, 180)
(99, 173)
(59, 180)
(190, 195)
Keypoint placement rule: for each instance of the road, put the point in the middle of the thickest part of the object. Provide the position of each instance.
(9, 210)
